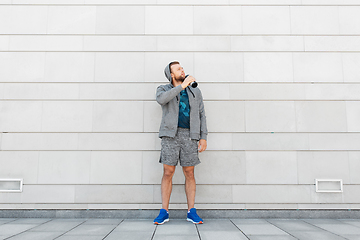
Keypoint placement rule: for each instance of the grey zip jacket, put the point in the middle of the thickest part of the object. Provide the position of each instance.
(168, 97)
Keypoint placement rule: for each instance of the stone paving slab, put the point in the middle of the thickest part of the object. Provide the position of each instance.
(36, 235)
(57, 225)
(352, 237)
(216, 235)
(80, 238)
(130, 235)
(13, 229)
(92, 230)
(176, 229)
(293, 225)
(272, 237)
(109, 221)
(135, 226)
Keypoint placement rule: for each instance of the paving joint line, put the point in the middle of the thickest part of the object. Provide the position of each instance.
(197, 229)
(324, 228)
(239, 229)
(26, 229)
(152, 237)
(71, 229)
(281, 229)
(113, 229)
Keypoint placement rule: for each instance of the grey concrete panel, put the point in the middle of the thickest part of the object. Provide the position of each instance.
(293, 225)
(318, 235)
(216, 235)
(136, 226)
(80, 238)
(249, 221)
(260, 229)
(175, 237)
(103, 221)
(129, 235)
(273, 237)
(354, 222)
(339, 228)
(6, 220)
(351, 237)
(36, 235)
(177, 227)
(57, 225)
(31, 220)
(217, 225)
(99, 230)
(12, 229)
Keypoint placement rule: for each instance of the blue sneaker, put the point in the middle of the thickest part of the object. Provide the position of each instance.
(193, 217)
(162, 218)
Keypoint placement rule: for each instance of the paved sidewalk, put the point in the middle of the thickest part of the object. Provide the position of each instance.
(217, 229)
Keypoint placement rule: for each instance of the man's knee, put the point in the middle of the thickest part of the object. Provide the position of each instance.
(188, 172)
(169, 171)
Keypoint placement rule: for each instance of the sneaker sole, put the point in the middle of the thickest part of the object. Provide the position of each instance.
(190, 220)
(166, 220)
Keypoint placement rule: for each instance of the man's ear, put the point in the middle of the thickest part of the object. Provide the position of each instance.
(172, 76)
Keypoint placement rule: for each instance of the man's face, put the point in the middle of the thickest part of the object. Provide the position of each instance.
(177, 72)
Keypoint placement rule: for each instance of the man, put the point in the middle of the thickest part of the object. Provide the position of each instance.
(183, 134)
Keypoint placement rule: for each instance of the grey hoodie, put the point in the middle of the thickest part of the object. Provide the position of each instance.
(168, 97)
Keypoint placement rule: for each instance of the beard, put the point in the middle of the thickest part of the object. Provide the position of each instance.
(180, 78)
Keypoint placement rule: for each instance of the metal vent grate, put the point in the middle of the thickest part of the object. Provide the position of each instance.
(11, 185)
(329, 185)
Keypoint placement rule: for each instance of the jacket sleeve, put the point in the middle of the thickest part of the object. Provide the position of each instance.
(163, 96)
(203, 127)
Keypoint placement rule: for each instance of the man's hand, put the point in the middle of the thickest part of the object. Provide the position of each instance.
(202, 145)
(187, 81)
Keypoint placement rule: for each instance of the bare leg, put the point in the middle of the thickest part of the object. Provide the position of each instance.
(190, 186)
(166, 185)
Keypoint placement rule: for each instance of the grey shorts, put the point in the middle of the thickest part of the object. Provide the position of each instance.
(181, 147)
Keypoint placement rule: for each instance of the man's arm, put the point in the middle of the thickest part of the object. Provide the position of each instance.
(203, 128)
(163, 96)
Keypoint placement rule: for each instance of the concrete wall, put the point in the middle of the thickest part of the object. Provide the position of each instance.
(79, 121)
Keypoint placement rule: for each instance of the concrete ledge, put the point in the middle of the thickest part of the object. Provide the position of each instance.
(180, 214)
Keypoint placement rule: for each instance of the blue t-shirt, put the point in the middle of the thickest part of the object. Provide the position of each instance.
(184, 110)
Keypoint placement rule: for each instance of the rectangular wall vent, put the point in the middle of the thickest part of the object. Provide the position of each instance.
(329, 185)
(11, 185)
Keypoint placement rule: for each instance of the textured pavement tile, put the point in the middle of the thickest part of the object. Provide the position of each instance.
(322, 221)
(216, 235)
(31, 220)
(315, 235)
(260, 229)
(36, 235)
(6, 220)
(80, 238)
(177, 227)
(57, 225)
(91, 230)
(4, 236)
(12, 229)
(136, 226)
(218, 225)
(129, 235)
(174, 237)
(103, 221)
(352, 222)
(293, 225)
(340, 228)
(249, 221)
(273, 237)
(351, 237)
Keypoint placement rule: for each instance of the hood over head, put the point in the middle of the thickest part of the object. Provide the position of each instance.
(167, 72)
